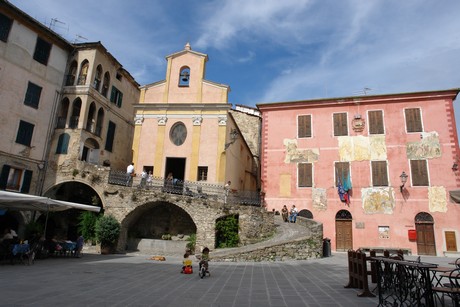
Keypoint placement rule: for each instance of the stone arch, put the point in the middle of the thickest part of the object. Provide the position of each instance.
(153, 220)
(64, 224)
(75, 117)
(91, 118)
(63, 112)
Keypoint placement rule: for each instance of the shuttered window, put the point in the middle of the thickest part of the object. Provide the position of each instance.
(5, 27)
(25, 133)
(305, 174)
(340, 124)
(379, 173)
(304, 126)
(413, 120)
(419, 172)
(376, 122)
(63, 144)
(110, 136)
(42, 51)
(33, 93)
(342, 171)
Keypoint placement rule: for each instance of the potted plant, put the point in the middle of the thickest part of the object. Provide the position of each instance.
(107, 230)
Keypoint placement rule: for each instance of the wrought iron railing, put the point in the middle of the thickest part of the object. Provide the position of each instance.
(403, 283)
(195, 189)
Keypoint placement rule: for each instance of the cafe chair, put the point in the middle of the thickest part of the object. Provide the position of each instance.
(450, 289)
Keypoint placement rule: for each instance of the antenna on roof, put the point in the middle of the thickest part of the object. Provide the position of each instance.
(53, 23)
(79, 38)
(364, 91)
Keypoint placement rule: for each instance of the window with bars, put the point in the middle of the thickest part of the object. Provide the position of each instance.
(33, 93)
(379, 173)
(419, 172)
(304, 126)
(202, 173)
(340, 124)
(413, 120)
(25, 133)
(342, 171)
(5, 27)
(376, 122)
(305, 175)
(42, 51)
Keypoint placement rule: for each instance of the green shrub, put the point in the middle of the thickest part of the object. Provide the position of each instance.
(227, 232)
(87, 225)
(191, 242)
(107, 230)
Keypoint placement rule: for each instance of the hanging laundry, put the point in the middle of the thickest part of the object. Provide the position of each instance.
(341, 191)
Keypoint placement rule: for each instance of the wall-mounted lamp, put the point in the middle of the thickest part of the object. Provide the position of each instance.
(455, 166)
(403, 180)
(233, 137)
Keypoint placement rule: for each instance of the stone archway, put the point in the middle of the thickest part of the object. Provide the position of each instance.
(64, 224)
(158, 227)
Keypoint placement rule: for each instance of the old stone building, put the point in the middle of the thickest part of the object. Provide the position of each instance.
(375, 170)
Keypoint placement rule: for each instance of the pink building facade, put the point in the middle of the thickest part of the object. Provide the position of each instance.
(341, 161)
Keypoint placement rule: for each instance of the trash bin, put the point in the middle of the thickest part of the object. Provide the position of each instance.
(326, 247)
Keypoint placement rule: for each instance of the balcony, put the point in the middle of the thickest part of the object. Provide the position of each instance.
(194, 189)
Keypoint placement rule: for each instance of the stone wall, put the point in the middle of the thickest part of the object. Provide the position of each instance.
(306, 247)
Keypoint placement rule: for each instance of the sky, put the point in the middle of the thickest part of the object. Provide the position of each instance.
(272, 50)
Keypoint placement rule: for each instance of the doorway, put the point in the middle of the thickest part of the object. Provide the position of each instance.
(424, 225)
(176, 166)
(344, 232)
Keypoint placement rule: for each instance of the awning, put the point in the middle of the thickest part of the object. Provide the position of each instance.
(19, 201)
(455, 196)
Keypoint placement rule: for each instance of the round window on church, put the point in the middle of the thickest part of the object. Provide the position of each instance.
(178, 134)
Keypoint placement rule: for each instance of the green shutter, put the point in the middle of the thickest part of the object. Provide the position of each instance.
(4, 176)
(26, 182)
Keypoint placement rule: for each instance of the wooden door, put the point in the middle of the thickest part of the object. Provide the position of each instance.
(451, 241)
(344, 235)
(425, 239)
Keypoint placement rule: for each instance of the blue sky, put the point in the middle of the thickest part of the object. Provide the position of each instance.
(273, 50)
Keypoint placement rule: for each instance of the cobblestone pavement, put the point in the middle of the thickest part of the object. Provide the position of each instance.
(127, 280)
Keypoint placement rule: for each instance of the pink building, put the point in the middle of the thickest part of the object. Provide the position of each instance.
(365, 148)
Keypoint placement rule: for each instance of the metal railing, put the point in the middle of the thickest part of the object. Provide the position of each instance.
(403, 283)
(195, 189)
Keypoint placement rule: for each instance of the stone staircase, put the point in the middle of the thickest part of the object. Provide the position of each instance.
(291, 241)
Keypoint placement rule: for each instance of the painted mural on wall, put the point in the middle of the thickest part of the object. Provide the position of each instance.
(319, 199)
(378, 200)
(362, 148)
(295, 155)
(437, 198)
(427, 148)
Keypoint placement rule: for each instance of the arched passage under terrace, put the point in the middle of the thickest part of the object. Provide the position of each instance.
(158, 227)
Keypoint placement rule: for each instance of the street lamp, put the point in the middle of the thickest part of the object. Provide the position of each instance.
(403, 177)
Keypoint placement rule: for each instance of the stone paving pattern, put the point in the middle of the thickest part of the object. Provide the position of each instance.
(127, 280)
